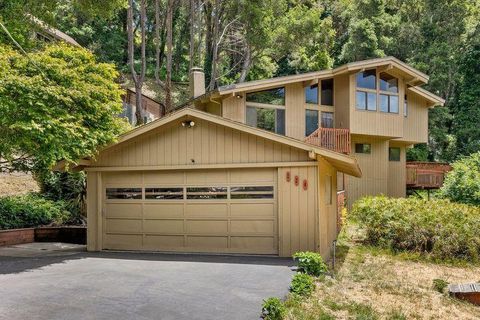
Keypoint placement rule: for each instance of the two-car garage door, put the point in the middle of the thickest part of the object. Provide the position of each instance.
(227, 211)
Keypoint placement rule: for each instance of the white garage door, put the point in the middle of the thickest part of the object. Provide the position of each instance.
(228, 211)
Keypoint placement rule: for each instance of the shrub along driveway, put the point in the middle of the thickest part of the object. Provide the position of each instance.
(112, 285)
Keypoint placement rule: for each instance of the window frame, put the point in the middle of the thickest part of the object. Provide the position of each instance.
(318, 120)
(363, 149)
(319, 103)
(275, 108)
(321, 119)
(378, 94)
(405, 106)
(390, 159)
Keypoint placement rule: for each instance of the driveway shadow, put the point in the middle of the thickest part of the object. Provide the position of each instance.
(16, 264)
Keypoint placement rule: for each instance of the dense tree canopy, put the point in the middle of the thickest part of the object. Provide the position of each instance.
(56, 103)
(241, 40)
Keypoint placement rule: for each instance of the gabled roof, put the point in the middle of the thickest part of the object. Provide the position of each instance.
(415, 77)
(430, 97)
(340, 161)
(54, 33)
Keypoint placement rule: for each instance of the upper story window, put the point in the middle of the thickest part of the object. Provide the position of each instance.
(405, 106)
(388, 93)
(373, 90)
(267, 119)
(327, 92)
(266, 110)
(367, 79)
(311, 121)
(274, 96)
(327, 120)
(325, 96)
(311, 94)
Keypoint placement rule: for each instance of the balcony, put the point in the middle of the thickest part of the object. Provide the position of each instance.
(337, 140)
(426, 175)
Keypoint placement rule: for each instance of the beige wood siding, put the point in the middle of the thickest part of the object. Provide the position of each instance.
(192, 225)
(397, 173)
(295, 111)
(374, 180)
(327, 199)
(375, 123)
(205, 143)
(234, 108)
(298, 223)
(342, 101)
(416, 122)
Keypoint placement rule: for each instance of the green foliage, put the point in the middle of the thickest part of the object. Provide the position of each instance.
(439, 228)
(30, 210)
(466, 110)
(58, 103)
(302, 284)
(463, 183)
(310, 263)
(68, 187)
(440, 285)
(273, 309)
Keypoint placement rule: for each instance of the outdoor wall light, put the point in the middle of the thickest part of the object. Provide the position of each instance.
(188, 124)
(239, 96)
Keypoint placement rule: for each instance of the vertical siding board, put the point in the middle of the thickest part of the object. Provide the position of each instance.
(220, 136)
(229, 145)
(260, 149)
(252, 148)
(244, 147)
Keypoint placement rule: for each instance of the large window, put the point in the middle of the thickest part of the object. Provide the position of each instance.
(312, 95)
(327, 120)
(272, 96)
(370, 93)
(367, 79)
(388, 93)
(268, 119)
(366, 100)
(327, 92)
(311, 121)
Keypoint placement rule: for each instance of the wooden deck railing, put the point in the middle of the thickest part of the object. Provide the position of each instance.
(426, 175)
(331, 138)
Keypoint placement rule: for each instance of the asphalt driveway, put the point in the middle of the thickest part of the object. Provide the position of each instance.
(68, 283)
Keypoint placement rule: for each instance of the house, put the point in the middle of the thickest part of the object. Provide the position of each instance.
(47, 33)
(373, 110)
(253, 168)
(196, 182)
(152, 108)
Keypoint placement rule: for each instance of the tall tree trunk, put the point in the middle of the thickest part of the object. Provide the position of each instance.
(137, 78)
(158, 41)
(168, 82)
(192, 35)
(247, 63)
(215, 41)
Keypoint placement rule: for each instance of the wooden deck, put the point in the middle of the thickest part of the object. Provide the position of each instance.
(337, 140)
(468, 291)
(426, 175)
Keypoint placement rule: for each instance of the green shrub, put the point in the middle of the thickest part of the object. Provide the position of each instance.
(30, 210)
(462, 184)
(311, 263)
(273, 309)
(441, 228)
(302, 284)
(440, 285)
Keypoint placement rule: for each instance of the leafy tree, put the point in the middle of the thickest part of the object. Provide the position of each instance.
(466, 110)
(57, 103)
(371, 31)
(463, 183)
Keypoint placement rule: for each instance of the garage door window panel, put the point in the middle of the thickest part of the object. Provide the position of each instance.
(168, 193)
(123, 193)
(251, 192)
(206, 193)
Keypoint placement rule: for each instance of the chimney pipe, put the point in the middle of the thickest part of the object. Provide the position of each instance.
(197, 82)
